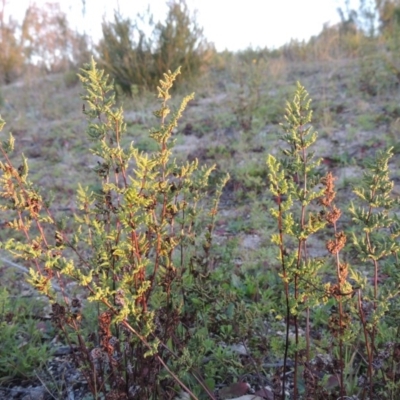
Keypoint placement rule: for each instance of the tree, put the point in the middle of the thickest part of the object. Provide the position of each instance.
(389, 15)
(180, 41)
(133, 57)
(11, 55)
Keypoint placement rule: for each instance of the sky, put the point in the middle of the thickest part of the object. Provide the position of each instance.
(229, 24)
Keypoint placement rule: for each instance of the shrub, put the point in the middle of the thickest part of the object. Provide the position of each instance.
(125, 53)
(361, 317)
(180, 42)
(137, 247)
(132, 57)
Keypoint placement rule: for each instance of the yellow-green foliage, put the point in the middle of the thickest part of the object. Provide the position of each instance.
(135, 245)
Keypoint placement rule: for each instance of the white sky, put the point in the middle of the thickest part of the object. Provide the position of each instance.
(229, 24)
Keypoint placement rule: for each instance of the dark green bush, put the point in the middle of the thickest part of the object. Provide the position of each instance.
(134, 58)
(125, 53)
(180, 42)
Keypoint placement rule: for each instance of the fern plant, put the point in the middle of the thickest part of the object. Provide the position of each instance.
(363, 314)
(133, 247)
(378, 247)
(293, 181)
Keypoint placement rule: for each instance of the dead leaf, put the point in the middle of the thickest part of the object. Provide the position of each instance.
(234, 390)
(265, 393)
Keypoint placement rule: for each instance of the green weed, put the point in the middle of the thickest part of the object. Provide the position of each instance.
(21, 338)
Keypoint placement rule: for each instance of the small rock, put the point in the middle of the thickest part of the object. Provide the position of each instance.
(182, 396)
(34, 393)
(251, 242)
(62, 351)
(239, 349)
